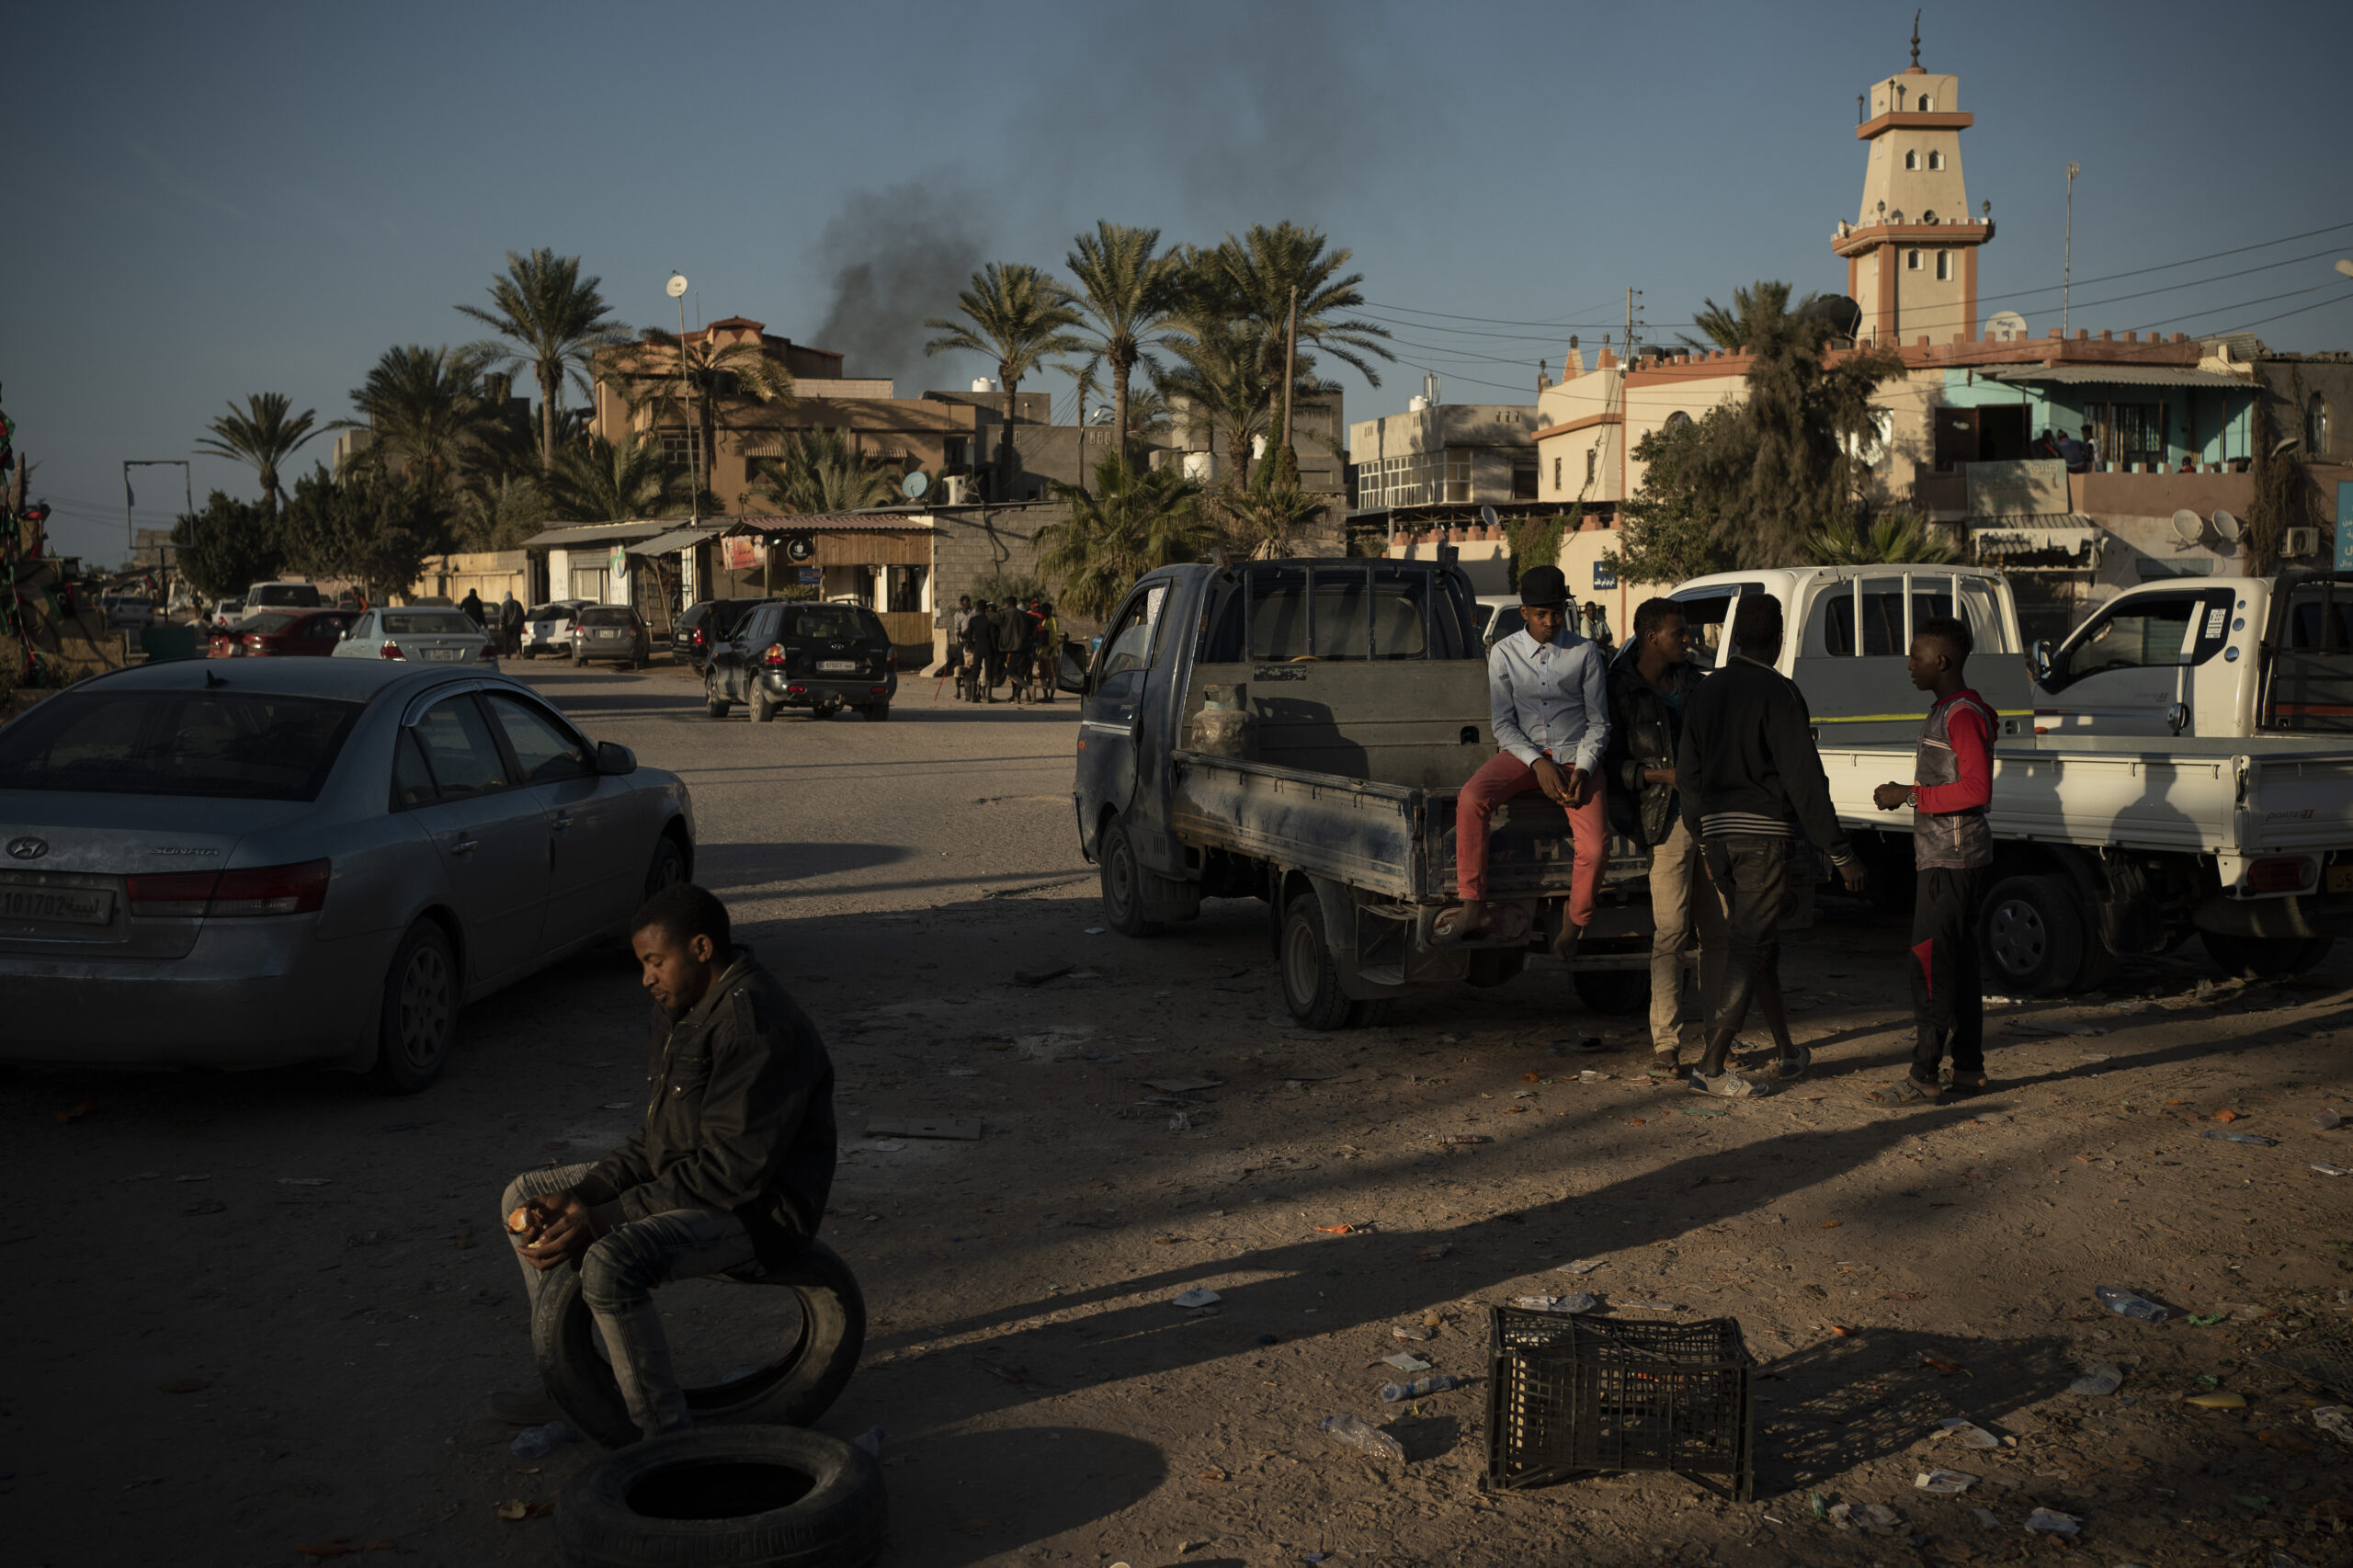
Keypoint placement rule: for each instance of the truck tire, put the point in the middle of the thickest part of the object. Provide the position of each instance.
(1311, 976)
(1122, 884)
(2030, 934)
(1613, 993)
(2265, 958)
(725, 1498)
(417, 1022)
(797, 1384)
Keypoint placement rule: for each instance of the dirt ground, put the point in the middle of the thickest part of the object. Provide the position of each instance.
(252, 1315)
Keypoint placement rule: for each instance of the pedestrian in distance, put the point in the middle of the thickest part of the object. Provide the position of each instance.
(1548, 694)
(1952, 845)
(1008, 633)
(510, 625)
(1750, 780)
(957, 627)
(471, 605)
(975, 636)
(728, 1171)
(1651, 686)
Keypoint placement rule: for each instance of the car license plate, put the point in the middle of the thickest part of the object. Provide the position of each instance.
(2340, 879)
(832, 664)
(607, 635)
(445, 655)
(66, 906)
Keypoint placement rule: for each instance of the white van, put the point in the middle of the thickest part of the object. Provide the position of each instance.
(286, 593)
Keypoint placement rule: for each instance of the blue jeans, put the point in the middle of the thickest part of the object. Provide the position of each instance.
(618, 1275)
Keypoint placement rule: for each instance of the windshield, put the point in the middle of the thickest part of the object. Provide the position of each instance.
(606, 615)
(249, 744)
(285, 594)
(428, 624)
(837, 622)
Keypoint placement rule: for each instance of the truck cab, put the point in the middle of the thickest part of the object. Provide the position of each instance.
(2207, 657)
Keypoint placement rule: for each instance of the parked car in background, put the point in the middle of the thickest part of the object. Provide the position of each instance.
(610, 632)
(227, 612)
(128, 611)
(284, 593)
(1498, 617)
(702, 626)
(302, 633)
(318, 861)
(548, 628)
(421, 633)
(793, 653)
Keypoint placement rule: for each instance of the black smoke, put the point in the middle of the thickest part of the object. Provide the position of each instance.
(896, 258)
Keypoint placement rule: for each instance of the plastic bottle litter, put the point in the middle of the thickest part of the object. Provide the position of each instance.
(538, 1442)
(1970, 1434)
(2125, 1303)
(2051, 1521)
(2258, 1139)
(2216, 1401)
(2100, 1378)
(870, 1440)
(2327, 1119)
(1944, 1480)
(2330, 1170)
(1466, 1138)
(1437, 1383)
(1582, 1301)
(1363, 1434)
(1412, 1331)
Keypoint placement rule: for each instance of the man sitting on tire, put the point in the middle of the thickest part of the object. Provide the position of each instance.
(729, 1169)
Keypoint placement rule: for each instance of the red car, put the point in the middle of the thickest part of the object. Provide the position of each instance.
(311, 633)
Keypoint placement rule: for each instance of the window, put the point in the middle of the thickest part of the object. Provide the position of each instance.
(1911, 160)
(1707, 615)
(1880, 604)
(1912, 261)
(1523, 480)
(544, 750)
(680, 445)
(1128, 650)
(2149, 631)
(952, 453)
(2316, 428)
(1557, 473)
(1417, 479)
(245, 745)
(1936, 160)
(1927, 105)
(832, 622)
(411, 777)
(1592, 462)
(459, 746)
(588, 583)
(428, 624)
(608, 615)
(1944, 266)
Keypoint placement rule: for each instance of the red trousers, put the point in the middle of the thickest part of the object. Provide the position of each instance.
(1504, 776)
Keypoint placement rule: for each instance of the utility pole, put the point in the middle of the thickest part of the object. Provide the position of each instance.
(678, 289)
(2067, 256)
(131, 530)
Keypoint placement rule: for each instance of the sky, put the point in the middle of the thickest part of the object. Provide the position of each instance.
(210, 201)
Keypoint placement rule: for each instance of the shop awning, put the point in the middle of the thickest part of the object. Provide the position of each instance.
(2066, 541)
(600, 533)
(890, 521)
(678, 540)
(2122, 376)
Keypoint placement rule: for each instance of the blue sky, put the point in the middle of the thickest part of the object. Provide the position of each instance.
(209, 201)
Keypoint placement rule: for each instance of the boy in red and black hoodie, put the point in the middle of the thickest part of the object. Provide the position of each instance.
(1953, 848)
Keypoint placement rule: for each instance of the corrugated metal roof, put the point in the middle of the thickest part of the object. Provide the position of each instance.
(829, 523)
(681, 538)
(601, 533)
(2122, 375)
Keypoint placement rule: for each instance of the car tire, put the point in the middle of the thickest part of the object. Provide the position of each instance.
(798, 1383)
(417, 1019)
(2265, 958)
(2031, 937)
(1310, 975)
(1122, 884)
(877, 712)
(1613, 993)
(668, 868)
(762, 709)
(694, 1499)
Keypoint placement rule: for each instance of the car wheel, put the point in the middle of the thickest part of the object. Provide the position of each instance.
(877, 712)
(762, 709)
(669, 867)
(417, 1022)
(1310, 975)
(729, 1496)
(1123, 885)
(793, 1379)
(2265, 958)
(2032, 934)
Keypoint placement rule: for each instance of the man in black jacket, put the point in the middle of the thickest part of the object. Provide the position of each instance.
(1651, 686)
(729, 1171)
(1750, 780)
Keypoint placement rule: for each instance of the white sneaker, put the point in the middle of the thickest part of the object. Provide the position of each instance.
(1727, 1084)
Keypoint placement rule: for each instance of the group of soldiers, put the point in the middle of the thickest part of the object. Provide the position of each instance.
(997, 643)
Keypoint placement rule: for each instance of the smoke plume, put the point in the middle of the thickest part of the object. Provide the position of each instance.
(896, 258)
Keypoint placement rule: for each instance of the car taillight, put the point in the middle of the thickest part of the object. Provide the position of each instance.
(263, 890)
(696, 635)
(390, 650)
(2287, 873)
(486, 653)
(775, 655)
(877, 691)
(891, 660)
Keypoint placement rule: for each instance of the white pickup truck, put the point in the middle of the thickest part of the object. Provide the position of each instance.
(2181, 765)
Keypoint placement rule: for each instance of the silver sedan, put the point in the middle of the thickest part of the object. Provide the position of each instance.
(423, 634)
(305, 860)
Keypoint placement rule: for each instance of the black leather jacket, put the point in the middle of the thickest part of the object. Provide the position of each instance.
(1641, 737)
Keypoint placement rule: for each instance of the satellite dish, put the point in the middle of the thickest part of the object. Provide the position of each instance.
(2188, 527)
(2227, 527)
(1487, 516)
(915, 485)
(2004, 326)
(677, 287)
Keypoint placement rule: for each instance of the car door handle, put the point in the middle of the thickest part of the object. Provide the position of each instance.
(463, 845)
(561, 824)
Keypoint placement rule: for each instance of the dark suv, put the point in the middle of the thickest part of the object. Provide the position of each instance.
(798, 653)
(706, 624)
(610, 632)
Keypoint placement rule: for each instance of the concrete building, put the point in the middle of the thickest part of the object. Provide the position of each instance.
(1444, 454)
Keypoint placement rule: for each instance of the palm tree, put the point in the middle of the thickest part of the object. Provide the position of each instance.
(1128, 290)
(689, 381)
(1130, 523)
(1896, 535)
(1018, 316)
(611, 481)
(819, 473)
(1752, 310)
(1260, 523)
(1219, 382)
(262, 436)
(556, 320)
(426, 407)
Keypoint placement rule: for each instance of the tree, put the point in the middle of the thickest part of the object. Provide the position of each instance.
(1895, 535)
(263, 437)
(1018, 316)
(228, 546)
(2283, 491)
(1128, 290)
(819, 473)
(1670, 529)
(1813, 428)
(1260, 523)
(690, 380)
(613, 481)
(426, 407)
(556, 321)
(372, 525)
(1129, 523)
(1220, 380)
(1734, 330)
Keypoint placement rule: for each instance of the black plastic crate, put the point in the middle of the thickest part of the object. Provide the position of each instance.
(1572, 1396)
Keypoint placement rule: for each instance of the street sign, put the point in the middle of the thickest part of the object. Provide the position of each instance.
(2345, 525)
(1603, 575)
(810, 576)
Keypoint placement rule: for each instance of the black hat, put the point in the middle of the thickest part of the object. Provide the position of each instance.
(1543, 587)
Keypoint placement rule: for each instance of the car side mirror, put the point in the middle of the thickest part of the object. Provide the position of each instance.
(2040, 657)
(615, 760)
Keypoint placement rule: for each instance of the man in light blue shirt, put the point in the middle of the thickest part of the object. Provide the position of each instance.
(1547, 692)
